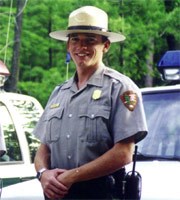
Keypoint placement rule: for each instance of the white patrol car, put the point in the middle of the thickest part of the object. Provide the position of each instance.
(18, 116)
(158, 157)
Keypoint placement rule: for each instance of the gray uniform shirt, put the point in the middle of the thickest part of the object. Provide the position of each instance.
(81, 125)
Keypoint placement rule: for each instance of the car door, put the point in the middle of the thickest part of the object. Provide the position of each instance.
(18, 116)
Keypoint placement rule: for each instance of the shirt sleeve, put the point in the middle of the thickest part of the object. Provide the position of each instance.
(128, 118)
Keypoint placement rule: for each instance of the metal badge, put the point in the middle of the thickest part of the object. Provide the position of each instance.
(96, 94)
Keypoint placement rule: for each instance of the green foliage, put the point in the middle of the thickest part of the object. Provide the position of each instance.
(173, 23)
(145, 23)
(6, 31)
(40, 83)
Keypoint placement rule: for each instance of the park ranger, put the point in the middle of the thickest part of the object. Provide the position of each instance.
(92, 121)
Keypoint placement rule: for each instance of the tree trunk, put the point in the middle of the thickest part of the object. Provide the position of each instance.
(149, 63)
(49, 30)
(13, 79)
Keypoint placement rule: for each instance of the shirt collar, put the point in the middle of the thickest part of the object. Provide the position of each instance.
(68, 84)
(96, 79)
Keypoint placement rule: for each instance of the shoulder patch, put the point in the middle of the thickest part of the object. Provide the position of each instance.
(129, 99)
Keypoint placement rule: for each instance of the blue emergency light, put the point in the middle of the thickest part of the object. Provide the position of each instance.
(169, 65)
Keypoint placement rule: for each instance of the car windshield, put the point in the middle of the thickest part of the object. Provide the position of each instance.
(30, 114)
(163, 119)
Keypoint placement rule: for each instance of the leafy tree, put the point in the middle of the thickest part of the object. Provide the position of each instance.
(14, 77)
(41, 83)
(151, 27)
(6, 30)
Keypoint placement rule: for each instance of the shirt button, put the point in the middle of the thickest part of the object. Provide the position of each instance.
(92, 116)
(70, 115)
(69, 157)
(68, 136)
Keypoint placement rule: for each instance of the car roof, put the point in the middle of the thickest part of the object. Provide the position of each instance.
(11, 95)
(16, 96)
(161, 89)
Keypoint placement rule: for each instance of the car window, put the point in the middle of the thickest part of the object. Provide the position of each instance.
(163, 119)
(10, 134)
(30, 114)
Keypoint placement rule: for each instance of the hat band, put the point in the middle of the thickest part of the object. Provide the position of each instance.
(94, 28)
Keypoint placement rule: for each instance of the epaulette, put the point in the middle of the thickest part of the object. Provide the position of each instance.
(115, 75)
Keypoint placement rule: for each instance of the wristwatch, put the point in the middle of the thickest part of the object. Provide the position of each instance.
(40, 172)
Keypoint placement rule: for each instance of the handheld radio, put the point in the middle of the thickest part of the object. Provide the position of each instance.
(133, 182)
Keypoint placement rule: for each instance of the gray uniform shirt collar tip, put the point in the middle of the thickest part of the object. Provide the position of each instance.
(68, 84)
(96, 79)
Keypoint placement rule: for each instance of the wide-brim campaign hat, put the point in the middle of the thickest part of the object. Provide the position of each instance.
(88, 19)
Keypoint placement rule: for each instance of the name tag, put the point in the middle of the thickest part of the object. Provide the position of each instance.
(56, 105)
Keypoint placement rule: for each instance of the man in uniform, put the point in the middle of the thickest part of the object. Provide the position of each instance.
(92, 121)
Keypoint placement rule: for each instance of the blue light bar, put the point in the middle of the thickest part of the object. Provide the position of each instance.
(169, 65)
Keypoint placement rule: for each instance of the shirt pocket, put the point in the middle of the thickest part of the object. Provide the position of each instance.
(53, 120)
(94, 122)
